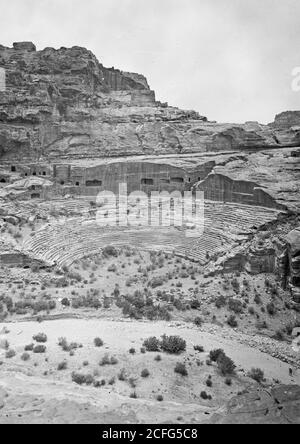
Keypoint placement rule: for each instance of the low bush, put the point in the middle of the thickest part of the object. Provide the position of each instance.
(216, 354)
(205, 396)
(10, 354)
(220, 302)
(198, 321)
(65, 302)
(173, 344)
(62, 366)
(29, 347)
(257, 375)
(232, 322)
(81, 379)
(209, 383)
(226, 365)
(145, 373)
(181, 369)
(98, 342)
(271, 309)
(25, 357)
(41, 338)
(152, 344)
(235, 305)
(39, 349)
(110, 251)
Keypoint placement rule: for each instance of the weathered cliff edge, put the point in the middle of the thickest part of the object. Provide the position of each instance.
(65, 103)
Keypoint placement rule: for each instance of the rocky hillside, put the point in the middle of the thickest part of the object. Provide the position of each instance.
(65, 103)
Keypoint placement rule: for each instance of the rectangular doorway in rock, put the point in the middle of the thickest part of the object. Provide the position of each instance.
(93, 183)
(147, 182)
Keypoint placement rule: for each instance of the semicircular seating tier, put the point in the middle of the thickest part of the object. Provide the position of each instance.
(226, 226)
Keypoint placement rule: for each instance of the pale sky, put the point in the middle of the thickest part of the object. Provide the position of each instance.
(231, 60)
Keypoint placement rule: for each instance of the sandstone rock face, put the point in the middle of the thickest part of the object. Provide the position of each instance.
(293, 240)
(287, 120)
(66, 103)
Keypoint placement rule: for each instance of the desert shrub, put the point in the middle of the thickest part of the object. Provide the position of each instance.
(279, 336)
(63, 343)
(198, 321)
(216, 354)
(232, 322)
(235, 285)
(251, 311)
(152, 344)
(226, 365)
(65, 302)
(228, 381)
(181, 369)
(235, 305)
(41, 338)
(10, 354)
(25, 357)
(220, 302)
(145, 373)
(122, 375)
(159, 398)
(98, 342)
(271, 309)
(205, 396)
(81, 379)
(143, 350)
(107, 360)
(257, 375)
(257, 299)
(195, 304)
(62, 366)
(110, 251)
(29, 347)
(90, 301)
(156, 282)
(209, 383)
(133, 395)
(112, 268)
(38, 349)
(132, 351)
(173, 344)
(158, 358)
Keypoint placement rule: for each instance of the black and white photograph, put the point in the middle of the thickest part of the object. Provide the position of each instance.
(149, 215)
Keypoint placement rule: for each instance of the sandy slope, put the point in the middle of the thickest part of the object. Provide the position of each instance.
(53, 398)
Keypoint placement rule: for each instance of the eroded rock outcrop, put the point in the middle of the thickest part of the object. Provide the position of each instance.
(293, 240)
(66, 103)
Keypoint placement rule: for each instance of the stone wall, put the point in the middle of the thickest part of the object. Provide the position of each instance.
(143, 176)
(224, 189)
